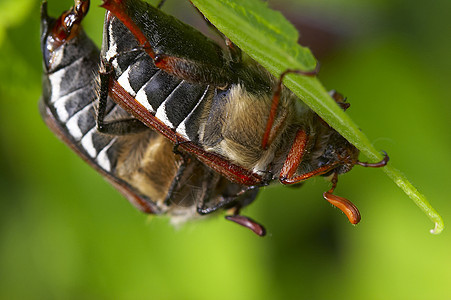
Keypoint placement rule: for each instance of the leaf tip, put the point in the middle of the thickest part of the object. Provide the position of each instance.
(439, 226)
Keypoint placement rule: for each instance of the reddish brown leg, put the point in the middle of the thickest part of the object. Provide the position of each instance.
(346, 206)
(292, 163)
(275, 102)
(320, 171)
(294, 159)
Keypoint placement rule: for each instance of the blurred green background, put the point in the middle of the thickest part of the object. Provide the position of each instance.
(67, 234)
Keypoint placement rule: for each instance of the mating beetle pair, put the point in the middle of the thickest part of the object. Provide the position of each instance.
(181, 126)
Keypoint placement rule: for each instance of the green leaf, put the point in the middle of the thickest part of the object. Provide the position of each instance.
(266, 36)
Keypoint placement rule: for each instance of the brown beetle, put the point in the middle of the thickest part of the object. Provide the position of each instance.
(233, 126)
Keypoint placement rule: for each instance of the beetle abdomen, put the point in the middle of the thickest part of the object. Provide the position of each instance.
(69, 96)
(174, 101)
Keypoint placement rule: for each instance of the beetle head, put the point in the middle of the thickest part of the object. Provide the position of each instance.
(338, 151)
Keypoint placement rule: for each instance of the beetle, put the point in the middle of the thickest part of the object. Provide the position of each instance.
(222, 108)
(140, 165)
(223, 152)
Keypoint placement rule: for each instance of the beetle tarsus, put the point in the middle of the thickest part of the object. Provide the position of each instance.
(379, 164)
(202, 209)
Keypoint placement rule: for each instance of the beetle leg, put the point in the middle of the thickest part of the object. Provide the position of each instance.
(294, 157)
(292, 163)
(379, 164)
(235, 217)
(202, 207)
(226, 200)
(116, 127)
(175, 182)
(243, 220)
(346, 206)
(275, 103)
(297, 179)
(234, 51)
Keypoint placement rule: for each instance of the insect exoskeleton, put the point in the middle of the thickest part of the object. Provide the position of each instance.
(225, 110)
(137, 160)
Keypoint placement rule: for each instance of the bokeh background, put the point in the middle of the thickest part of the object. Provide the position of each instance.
(65, 233)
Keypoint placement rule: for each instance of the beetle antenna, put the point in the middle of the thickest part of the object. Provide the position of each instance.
(248, 223)
(347, 207)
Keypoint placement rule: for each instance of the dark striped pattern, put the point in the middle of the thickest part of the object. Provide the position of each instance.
(71, 98)
(175, 102)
